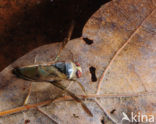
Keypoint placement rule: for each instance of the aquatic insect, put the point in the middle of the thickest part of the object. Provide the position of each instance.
(53, 73)
(57, 71)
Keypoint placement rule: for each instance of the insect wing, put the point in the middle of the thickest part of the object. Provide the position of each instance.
(39, 73)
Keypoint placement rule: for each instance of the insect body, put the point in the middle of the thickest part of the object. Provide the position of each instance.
(53, 74)
(57, 71)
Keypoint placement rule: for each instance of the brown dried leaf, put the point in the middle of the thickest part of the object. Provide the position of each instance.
(119, 42)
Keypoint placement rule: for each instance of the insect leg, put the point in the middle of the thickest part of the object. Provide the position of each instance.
(57, 84)
(30, 88)
(66, 40)
(28, 95)
(81, 86)
(71, 82)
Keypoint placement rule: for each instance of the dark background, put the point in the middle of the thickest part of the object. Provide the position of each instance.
(25, 26)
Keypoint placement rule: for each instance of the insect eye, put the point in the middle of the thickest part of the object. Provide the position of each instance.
(78, 73)
(77, 64)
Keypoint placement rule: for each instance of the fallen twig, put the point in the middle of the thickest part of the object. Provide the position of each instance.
(66, 98)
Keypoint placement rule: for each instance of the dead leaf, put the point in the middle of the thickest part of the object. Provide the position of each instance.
(123, 34)
(118, 41)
